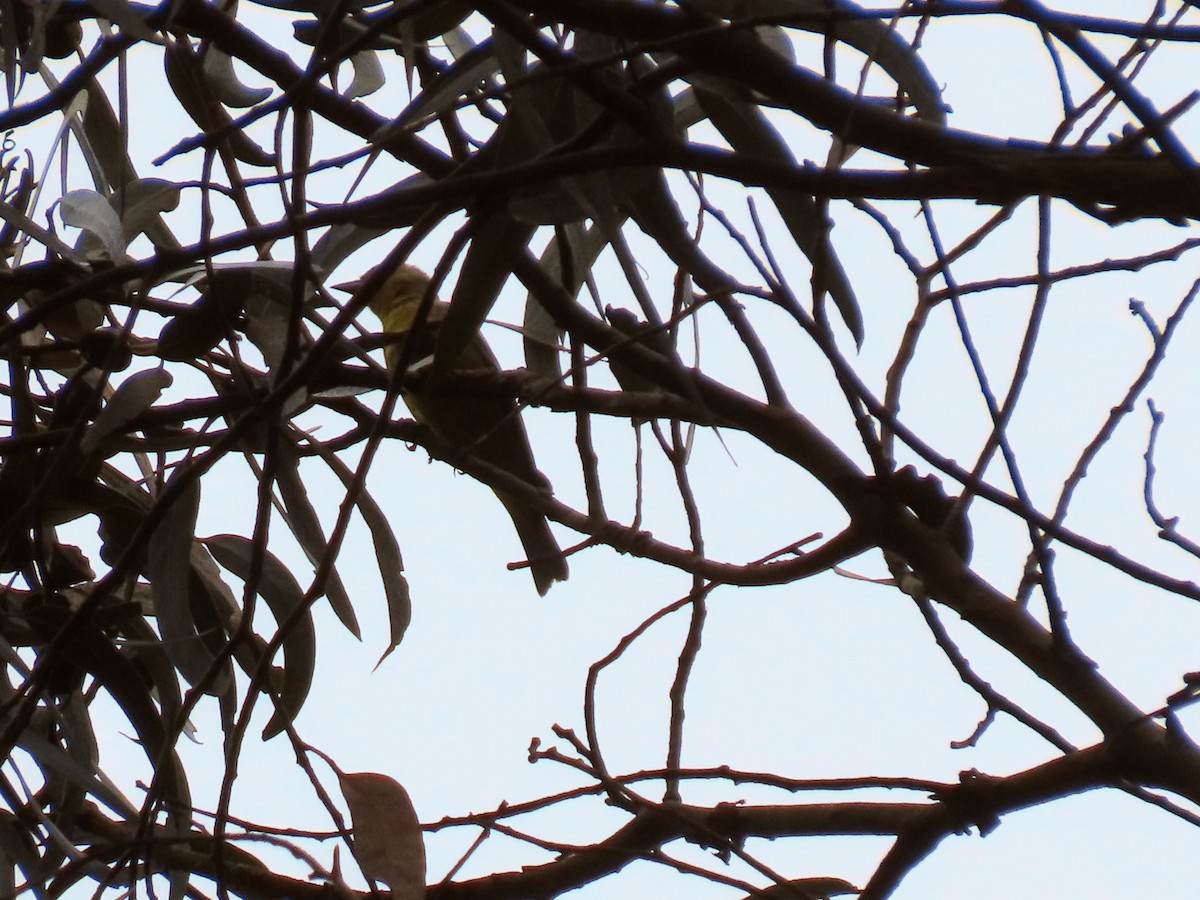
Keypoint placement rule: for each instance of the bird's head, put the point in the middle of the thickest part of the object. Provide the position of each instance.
(397, 300)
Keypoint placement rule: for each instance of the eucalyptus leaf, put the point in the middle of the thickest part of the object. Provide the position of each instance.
(171, 580)
(136, 394)
(91, 212)
(387, 555)
(499, 240)
(227, 88)
(306, 529)
(286, 599)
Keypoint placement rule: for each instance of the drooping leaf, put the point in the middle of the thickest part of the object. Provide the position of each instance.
(388, 843)
(387, 554)
(747, 130)
(428, 21)
(568, 258)
(18, 850)
(445, 91)
(51, 756)
(498, 242)
(195, 330)
(140, 204)
(341, 240)
(185, 76)
(368, 75)
(227, 88)
(91, 212)
(169, 569)
(873, 36)
(102, 140)
(136, 394)
(123, 14)
(88, 648)
(145, 651)
(286, 600)
(306, 528)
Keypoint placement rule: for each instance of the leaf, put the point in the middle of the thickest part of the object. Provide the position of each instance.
(368, 75)
(88, 648)
(140, 205)
(17, 849)
(103, 143)
(748, 131)
(387, 835)
(339, 242)
(169, 569)
(498, 242)
(539, 330)
(387, 554)
(549, 112)
(186, 79)
(283, 594)
(13, 217)
(136, 394)
(122, 13)
(146, 652)
(227, 88)
(306, 528)
(91, 212)
(872, 36)
(429, 20)
(443, 93)
(51, 756)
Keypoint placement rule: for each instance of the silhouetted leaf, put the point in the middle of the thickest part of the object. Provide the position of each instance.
(170, 572)
(18, 849)
(51, 756)
(87, 647)
(387, 835)
(577, 254)
(306, 528)
(185, 76)
(286, 600)
(123, 14)
(136, 394)
(387, 554)
(498, 242)
(227, 88)
(747, 130)
(91, 212)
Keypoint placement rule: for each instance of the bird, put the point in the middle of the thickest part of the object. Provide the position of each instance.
(485, 427)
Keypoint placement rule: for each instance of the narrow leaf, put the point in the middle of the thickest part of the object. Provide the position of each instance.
(286, 600)
(498, 243)
(136, 394)
(91, 212)
(227, 88)
(306, 528)
(170, 571)
(387, 554)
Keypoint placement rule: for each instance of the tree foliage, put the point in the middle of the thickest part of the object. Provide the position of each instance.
(660, 183)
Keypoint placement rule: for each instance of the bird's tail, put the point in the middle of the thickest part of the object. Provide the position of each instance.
(547, 563)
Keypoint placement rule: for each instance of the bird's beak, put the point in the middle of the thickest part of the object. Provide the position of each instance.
(348, 287)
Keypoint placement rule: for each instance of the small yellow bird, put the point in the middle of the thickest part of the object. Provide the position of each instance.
(488, 428)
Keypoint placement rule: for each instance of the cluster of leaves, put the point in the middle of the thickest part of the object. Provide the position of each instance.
(568, 118)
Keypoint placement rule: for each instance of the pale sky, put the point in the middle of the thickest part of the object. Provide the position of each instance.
(829, 677)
